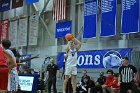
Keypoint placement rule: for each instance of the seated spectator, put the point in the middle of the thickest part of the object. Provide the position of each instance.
(91, 86)
(85, 85)
(109, 80)
(84, 72)
(138, 81)
(100, 81)
(136, 87)
(115, 84)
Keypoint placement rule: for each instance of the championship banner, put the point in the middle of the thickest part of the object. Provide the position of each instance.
(98, 58)
(13, 32)
(90, 15)
(22, 33)
(31, 1)
(4, 29)
(4, 5)
(130, 16)
(17, 3)
(33, 29)
(63, 28)
(108, 18)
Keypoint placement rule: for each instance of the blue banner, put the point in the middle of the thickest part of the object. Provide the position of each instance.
(63, 28)
(31, 1)
(90, 15)
(26, 56)
(130, 16)
(4, 5)
(98, 58)
(108, 18)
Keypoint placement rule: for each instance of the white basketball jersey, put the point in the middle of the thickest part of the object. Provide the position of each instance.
(72, 58)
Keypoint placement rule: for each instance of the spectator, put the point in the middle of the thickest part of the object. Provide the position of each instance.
(127, 73)
(137, 82)
(100, 81)
(115, 86)
(109, 81)
(85, 85)
(84, 72)
(91, 86)
(52, 75)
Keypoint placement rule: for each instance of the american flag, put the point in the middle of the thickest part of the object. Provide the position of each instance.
(59, 10)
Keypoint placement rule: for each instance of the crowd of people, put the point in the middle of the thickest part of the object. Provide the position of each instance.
(112, 83)
(124, 81)
(127, 80)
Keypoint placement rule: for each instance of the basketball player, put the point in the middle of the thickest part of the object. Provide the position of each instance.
(13, 79)
(5, 58)
(71, 49)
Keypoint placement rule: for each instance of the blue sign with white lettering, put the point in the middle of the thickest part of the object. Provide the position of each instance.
(26, 56)
(63, 28)
(4, 5)
(98, 58)
(130, 16)
(28, 82)
(108, 18)
(90, 14)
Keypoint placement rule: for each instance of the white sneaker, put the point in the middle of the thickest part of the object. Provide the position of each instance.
(84, 88)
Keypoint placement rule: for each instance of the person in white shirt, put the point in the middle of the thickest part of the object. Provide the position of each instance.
(71, 49)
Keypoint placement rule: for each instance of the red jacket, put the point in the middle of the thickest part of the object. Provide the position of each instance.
(109, 81)
(115, 85)
(2, 58)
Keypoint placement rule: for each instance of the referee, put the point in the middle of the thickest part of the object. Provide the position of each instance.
(127, 73)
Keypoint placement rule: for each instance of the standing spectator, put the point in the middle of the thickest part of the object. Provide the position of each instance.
(109, 80)
(127, 73)
(100, 81)
(44, 68)
(52, 75)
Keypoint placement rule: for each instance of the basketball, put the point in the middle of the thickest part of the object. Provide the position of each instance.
(69, 37)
